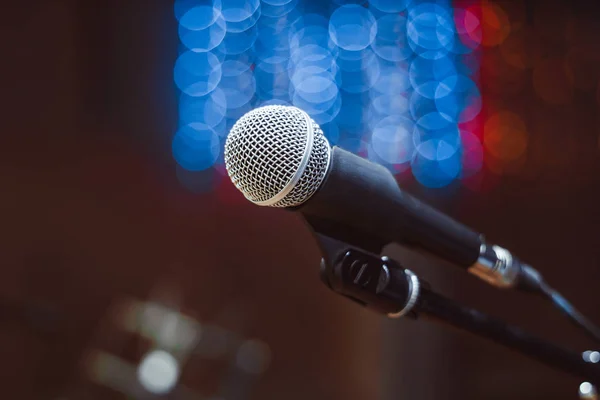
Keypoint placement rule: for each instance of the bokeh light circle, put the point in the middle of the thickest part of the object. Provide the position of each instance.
(195, 146)
(425, 75)
(390, 42)
(202, 39)
(238, 10)
(430, 30)
(277, 10)
(352, 27)
(389, 6)
(244, 24)
(505, 136)
(197, 74)
(278, 3)
(237, 43)
(158, 372)
(237, 83)
(209, 109)
(495, 24)
(204, 15)
(437, 162)
(392, 139)
(468, 27)
(459, 98)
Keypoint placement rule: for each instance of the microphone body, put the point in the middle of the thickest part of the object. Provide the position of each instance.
(359, 194)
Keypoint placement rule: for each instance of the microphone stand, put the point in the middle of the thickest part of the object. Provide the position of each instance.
(381, 284)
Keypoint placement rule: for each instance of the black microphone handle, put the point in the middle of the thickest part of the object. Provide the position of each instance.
(365, 197)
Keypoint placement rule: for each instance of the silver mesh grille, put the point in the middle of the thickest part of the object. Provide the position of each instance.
(265, 156)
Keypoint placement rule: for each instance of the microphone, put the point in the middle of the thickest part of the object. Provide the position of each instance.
(277, 156)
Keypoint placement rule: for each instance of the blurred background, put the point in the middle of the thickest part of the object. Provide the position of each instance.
(133, 269)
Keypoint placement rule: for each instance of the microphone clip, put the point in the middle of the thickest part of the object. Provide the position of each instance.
(376, 282)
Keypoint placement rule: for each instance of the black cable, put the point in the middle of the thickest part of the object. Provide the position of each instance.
(571, 312)
(530, 280)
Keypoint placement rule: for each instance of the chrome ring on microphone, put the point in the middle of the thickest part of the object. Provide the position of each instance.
(413, 295)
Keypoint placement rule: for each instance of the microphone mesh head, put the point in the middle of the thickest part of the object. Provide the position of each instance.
(277, 156)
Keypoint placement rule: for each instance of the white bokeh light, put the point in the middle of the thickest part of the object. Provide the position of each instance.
(158, 372)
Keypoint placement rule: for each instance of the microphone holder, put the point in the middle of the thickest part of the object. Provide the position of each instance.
(383, 285)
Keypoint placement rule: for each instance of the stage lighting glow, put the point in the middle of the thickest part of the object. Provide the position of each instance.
(209, 109)
(201, 39)
(195, 146)
(351, 116)
(458, 98)
(319, 111)
(352, 27)
(468, 28)
(424, 111)
(505, 136)
(361, 80)
(392, 81)
(310, 29)
(390, 42)
(233, 114)
(239, 10)
(430, 30)
(272, 45)
(392, 139)
(426, 75)
(495, 25)
(272, 81)
(237, 43)
(312, 55)
(331, 132)
(158, 372)
(205, 14)
(385, 105)
(278, 3)
(316, 88)
(274, 102)
(197, 74)
(472, 154)
(389, 6)
(356, 68)
(436, 163)
(245, 23)
(277, 10)
(237, 83)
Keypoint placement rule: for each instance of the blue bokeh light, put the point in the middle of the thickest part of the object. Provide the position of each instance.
(436, 162)
(244, 24)
(389, 6)
(204, 38)
(238, 43)
(392, 139)
(430, 30)
(352, 27)
(237, 83)
(209, 110)
(205, 14)
(239, 10)
(274, 9)
(197, 74)
(458, 97)
(390, 80)
(196, 146)
(391, 42)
